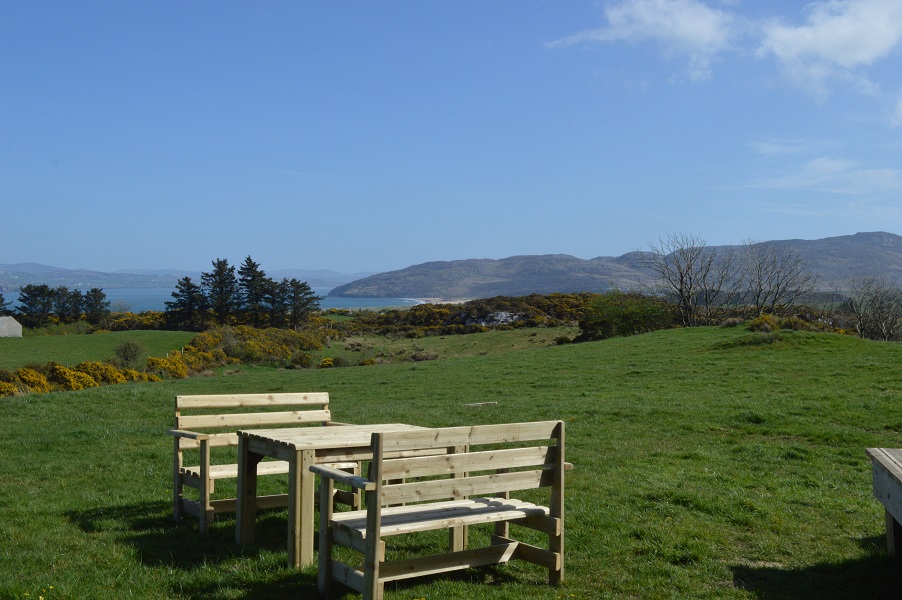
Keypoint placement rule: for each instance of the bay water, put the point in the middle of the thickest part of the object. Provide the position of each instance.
(140, 299)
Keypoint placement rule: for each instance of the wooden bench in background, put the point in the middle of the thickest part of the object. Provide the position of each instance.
(211, 425)
(407, 492)
(887, 466)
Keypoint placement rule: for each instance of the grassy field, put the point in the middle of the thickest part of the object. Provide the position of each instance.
(710, 463)
(73, 349)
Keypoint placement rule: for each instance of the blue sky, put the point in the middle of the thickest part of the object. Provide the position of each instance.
(361, 136)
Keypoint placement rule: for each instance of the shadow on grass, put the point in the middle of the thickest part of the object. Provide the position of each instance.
(212, 566)
(873, 577)
(158, 542)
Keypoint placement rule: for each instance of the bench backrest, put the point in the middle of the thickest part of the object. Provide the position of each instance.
(481, 460)
(225, 414)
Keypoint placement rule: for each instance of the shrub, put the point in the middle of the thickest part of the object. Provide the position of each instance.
(367, 362)
(129, 352)
(33, 381)
(619, 314)
(7, 389)
(101, 372)
(172, 366)
(327, 363)
(70, 379)
(302, 360)
(133, 375)
(763, 323)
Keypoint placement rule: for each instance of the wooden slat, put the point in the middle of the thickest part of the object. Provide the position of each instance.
(248, 400)
(266, 467)
(532, 554)
(397, 520)
(240, 420)
(511, 458)
(443, 563)
(216, 440)
(421, 491)
(467, 436)
(349, 576)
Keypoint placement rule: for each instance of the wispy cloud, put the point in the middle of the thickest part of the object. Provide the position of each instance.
(839, 39)
(687, 28)
(835, 42)
(838, 176)
(779, 146)
(896, 119)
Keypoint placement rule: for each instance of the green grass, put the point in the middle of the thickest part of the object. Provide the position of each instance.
(73, 349)
(710, 463)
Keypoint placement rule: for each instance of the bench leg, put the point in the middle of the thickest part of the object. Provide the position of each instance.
(893, 537)
(177, 484)
(324, 572)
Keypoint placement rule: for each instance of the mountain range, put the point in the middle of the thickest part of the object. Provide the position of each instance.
(834, 261)
(14, 276)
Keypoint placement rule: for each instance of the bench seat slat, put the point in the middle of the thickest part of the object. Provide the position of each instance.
(398, 520)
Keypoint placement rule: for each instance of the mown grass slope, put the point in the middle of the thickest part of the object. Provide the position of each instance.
(72, 349)
(713, 463)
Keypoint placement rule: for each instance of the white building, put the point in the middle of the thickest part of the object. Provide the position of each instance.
(9, 327)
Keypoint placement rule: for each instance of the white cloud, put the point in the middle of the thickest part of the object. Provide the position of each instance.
(839, 39)
(896, 119)
(687, 28)
(778, 146)
(839, 176)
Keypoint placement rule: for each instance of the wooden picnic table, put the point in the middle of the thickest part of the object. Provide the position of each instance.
(301, 447)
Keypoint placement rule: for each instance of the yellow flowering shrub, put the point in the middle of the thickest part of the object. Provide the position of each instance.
(101, 372)
(133, 375)
(7, 389)
(70, 379)
(33, 381)
(173, 366)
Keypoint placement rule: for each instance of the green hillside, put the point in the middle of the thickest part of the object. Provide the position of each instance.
(709, 463)
(72, 349)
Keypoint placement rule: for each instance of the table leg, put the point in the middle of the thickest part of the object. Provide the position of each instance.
(300, 509)
(246, 501)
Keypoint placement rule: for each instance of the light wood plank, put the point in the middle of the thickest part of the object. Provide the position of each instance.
(470, 436)
(511, 458)
(481, 485)
(252, 400)
(444, 563)
(241, 420)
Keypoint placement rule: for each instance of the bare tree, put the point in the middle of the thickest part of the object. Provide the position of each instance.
(876, 305)
(694, 276)
(775, 274)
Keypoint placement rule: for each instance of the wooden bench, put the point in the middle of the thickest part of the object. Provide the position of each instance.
(408, 492)
(219, 417)
(887, 467)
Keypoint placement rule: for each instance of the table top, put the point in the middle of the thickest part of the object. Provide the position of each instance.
(315, 438)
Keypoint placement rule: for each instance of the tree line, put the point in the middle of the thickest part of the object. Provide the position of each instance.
(40, 305)
(243, 296)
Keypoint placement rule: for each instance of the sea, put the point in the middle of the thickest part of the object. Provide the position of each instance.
(141, 299)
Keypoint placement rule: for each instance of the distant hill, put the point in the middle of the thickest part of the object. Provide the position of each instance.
(833, 260)
(14, 276)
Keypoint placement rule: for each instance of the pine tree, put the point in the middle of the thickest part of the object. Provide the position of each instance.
(188, 309)
(96, 306)
(301, 300)
(252, 286)
(221, 288)
(35, 304)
